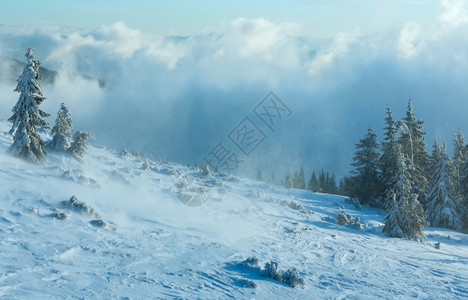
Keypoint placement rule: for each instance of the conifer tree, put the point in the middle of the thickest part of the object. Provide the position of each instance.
(301, 179)
(62, 130)
(388, 160)
(464, 190)
(434, 158)
(296, 179)
(392, 220)
(313, 183)
(414, 146)
(80, 143)
(342, 189)
(365, 178)
(459, 156)
(322, 182)
(443, 207)
(289, 182)
(333, 189)
(27, 116)
(411, 217)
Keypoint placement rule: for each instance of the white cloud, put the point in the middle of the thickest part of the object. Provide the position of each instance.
(177, 96)
(452, 13)
(326, 56)
(410, 42)
(259, 37)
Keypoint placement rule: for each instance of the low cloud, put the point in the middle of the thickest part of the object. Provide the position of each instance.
(177, 96)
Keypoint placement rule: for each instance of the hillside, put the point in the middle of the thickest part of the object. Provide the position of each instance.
(130, 235)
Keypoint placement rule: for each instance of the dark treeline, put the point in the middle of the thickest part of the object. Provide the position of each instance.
(415, 188)
(320, 182)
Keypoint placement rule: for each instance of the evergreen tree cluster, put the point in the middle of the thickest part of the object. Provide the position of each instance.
(27, 118)
(324, 183)
(414, 187)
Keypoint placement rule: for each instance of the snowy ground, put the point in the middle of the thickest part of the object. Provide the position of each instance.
(155, 246)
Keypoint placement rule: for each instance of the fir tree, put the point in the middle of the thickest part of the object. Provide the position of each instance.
(342, 187)
(333, 189)
(27, 143)
(392, 220)
(459, 156)
(289, 182)
(434, 158)
(443, 207)
(62, 130)
(388, 160)
(414, 146)
(411, 217)
(313, 183)
(296, 179)
(322, 182)
(80, 143)
(326, 187)
(301, 179)
(365, 177)
(464, 190)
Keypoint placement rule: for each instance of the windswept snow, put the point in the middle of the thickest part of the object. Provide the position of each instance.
(152, 245)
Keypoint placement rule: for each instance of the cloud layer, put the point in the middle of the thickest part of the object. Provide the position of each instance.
(176, 97)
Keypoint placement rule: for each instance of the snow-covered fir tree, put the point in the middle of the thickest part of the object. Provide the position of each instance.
(464, 191)
(365, 177)
(392, 220)
(411, 217)
(414, 146)
(388, 160)
(27, 117)
(289, 182)
(62, 130)
(80, 143)
(459, 156)
(443, 209)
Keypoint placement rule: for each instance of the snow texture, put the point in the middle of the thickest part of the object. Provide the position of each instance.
(155, 247)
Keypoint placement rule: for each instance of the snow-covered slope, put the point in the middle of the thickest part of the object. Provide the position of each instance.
(155, 246)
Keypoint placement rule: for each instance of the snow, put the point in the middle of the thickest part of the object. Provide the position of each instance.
(154, 246)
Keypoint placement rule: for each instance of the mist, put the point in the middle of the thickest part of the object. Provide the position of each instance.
(176, 97)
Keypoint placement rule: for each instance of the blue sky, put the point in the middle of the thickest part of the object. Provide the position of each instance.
(320, 19)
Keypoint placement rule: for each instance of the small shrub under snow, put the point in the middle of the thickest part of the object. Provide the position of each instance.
(251, 262)
(346, 219)
(58, 215)
(78, 206)
(291, 277)
(98, 223)
(271, 270)
(247, 283)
